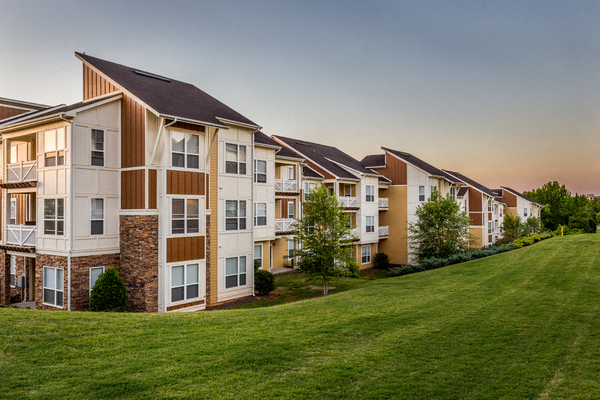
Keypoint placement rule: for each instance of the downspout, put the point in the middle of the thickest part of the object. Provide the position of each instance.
(164, 213)
(69, 253)
(253, 189)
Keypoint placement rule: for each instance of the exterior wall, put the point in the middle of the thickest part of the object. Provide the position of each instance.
(358, 255)
(478, 237)
(367, 209)
(7, 112)
(95, 85)
(280, 252)
(396, 246)
(265, 193)
(4, 279)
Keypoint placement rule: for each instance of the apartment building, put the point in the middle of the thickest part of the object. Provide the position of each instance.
(412, 181)
(10, 108)
(519, 204)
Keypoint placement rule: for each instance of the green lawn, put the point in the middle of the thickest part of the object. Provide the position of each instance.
(522, 324)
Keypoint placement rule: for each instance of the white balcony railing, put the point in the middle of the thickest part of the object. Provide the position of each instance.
(21, 172)
(384, 231)
(285, 225)
(348, 201)
(383, 202)
(21, 235)
(285, 185)
(353, 234)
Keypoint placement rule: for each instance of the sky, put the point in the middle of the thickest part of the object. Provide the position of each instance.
(505, 92)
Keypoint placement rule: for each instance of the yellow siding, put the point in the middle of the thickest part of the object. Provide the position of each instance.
(477, 234)
(512, 211)
(396, 247)
(280, 250)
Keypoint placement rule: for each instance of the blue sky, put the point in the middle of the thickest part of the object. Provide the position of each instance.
(506, 92)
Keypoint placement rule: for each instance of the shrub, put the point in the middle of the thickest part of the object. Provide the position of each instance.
(264, 282)
(405, 270)
(382, 261)
(109, 293)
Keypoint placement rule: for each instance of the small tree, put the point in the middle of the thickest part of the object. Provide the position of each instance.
(532, 226)
(109, 293)
(325, 238)
(442, 228)
(264, 282)
(382, 261)
(512, 227)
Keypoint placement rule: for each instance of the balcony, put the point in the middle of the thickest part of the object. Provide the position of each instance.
(383, 203)
(20, 235)
(285, 225)
(353, 234)
(285, 185)
(348, 202)
(384, 231)
(24, 171)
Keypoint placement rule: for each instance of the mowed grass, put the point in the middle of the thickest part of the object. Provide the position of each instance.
(523, 324)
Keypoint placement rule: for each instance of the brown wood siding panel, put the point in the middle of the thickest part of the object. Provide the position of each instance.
(395, 170)
(21, 207)
(7, 112)
(132, 133)
(490, 239)
(510, 199)
(475, 200)
(320, 170)
(133, 187)
(152, 184)
(476, 219)
(490, 216)
(185, 182)
(185, 248)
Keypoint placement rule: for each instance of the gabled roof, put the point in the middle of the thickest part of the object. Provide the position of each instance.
(417, 162)
(383, 179)
(472, 183)
(308, 172)
(521, 195)
(462, 191)
(329, 158)
(373, 161)
(165, 96)
(287, 153)
(262, 139)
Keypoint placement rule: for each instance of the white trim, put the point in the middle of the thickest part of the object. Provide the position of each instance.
(103, 216)
(361, 254)
(90, 277)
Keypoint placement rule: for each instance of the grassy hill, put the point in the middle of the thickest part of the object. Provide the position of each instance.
(522, 324)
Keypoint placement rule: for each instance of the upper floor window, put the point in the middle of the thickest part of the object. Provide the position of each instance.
(97, 217)
(235, 159)
(260, 171)
(421, 193)
(184, 216)
(525, 212)
(489, 227)
(260, 214)
(453, 192)
(98, 147)
(370, 193)
(13, 211)
(185, 150)
(54, 148)
(490, 205)
(290, 173)
(54, 216)
(308, 187)
(347, 190)
(433, 189)
(370, 224)
(235, 215)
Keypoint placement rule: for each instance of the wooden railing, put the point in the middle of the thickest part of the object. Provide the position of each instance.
(21, 235)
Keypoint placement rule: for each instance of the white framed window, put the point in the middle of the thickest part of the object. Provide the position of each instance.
(347, 190)
(13, 271)
(95, 273)
(258, 248)
(421, 193)
(530, 213)
(13, 211)
(291, 247)
(235, 215)
(97, 156)
(453, 192)
(54, 148)
(370, 224)
(54, 216)
(97, 220)
(365, 254)
(185, 217)
(370, 193)
(432, 189)
(290, 209)
(490, 227)
(290, 173)
(235, 272)
(185, 282)
(260, 214)
(53, 286)
(185, 150)
(260, 171)
(308, 187)
(330, 191)
(525, 212)
(235, 159)
(490, 209)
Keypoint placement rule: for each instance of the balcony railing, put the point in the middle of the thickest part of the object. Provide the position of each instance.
(348, 201)
(21, 235)
(285, 185)
(285, 225)
(384, 231)
(353, 234)
(21, 172)
(383, 202)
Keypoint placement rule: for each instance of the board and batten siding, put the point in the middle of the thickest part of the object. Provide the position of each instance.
(185, 248)
(7, 112)
(95, 85)
(186, 182)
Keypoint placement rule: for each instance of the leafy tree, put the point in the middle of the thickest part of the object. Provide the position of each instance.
(556, 202)
(532, 226)
(512, 226)
(109, 293)
(325, 238)
(442, 228)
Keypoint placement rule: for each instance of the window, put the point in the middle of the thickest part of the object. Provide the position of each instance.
(260, 171)
(258, 256)
(98, 147)
(525, 212)
(235, 272)
(370, 224)
(530, 213)
(185, 150)
(330, 191)
(453, 192)
(370, 193)
(95, 273)
(97, 217)
(290, 174)
(290, 252)
(421, 193)
(489, 227)
(308, 187)
(235, 159)
(489, 205)
(365, 254)
(260, 214)
(53, 286)
(347, 190)
(54, 147)
(184, 282)
(433, 189)
(54, 216)
(290, 209)
(13, 271)
(13, 211)
(185, 216)
(235, 215)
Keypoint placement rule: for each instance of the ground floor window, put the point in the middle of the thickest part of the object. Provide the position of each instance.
(13, 271)
(95, 273)
(366, 254)
(235, 272)
(257, 256)
(184, 282)
(291, 250)
(53, 286)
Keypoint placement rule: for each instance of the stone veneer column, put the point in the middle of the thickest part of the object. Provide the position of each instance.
(4, 278)
(48, 260)
(139, 260)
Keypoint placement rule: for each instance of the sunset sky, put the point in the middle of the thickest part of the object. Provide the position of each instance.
(505, 92)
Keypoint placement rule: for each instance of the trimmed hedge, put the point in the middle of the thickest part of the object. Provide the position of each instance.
(264, 282)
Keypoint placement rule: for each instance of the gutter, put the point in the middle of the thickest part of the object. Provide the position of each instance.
(70, 251)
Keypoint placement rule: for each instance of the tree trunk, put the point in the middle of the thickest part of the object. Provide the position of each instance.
(325, 289)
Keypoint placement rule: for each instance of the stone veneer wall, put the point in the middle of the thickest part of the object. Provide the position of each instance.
(48, 260)
(17, 293)
(139, 260)
(4, 279)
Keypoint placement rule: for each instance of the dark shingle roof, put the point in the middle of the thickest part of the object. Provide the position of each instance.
(327, 157)
(521, 195)
(384, 179)
(472, 183)
(167, 96)
(462, 191)
(308, 172)
(417, 162)
(261, 138)
(375, 160)
(285, 152)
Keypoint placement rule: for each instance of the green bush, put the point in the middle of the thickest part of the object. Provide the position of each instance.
(382, 261)
(264, 282)
(109, 293)
(405, 270)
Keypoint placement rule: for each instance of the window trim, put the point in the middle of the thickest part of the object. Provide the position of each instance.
(56, 152)
(186, 284)
(293, 209)
(370, 226)
(92, 150)
(421, 193)
(257, 174)
(185, 216)
(254, 258)
(13, 202)
(185, 151)
(90, 274)
(364, 256)
(44, 287)
(56, 219)
(13, 271)
(237, 161)
(369, 197)
(238, 274)
(237, 217)
(256, 216)
(96, 220)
